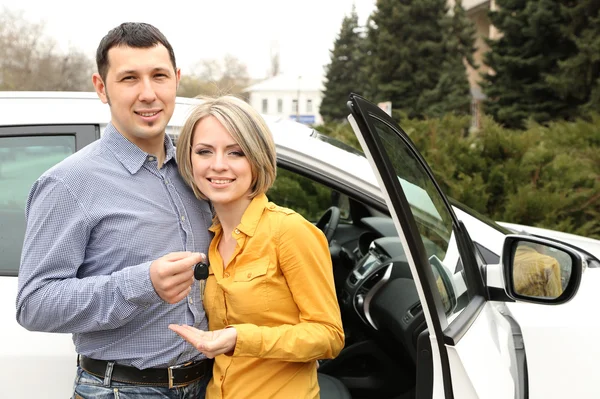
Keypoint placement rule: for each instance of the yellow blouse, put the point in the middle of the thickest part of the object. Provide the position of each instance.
(278, 293)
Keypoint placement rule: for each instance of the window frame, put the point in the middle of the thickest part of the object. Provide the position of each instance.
(265, 105)
(84, 135)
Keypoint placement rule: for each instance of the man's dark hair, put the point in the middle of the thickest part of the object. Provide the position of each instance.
(131, 34)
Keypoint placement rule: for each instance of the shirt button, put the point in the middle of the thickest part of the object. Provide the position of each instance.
(182, 218)
(150, 158)
(249, 275)
(226, 274)
(237, 231)
(221, 378)
(224, 323)
(191, 300)
(166, 181)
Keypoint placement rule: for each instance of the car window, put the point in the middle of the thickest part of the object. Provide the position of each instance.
(307, 197)
(22, 160)
(433, 219)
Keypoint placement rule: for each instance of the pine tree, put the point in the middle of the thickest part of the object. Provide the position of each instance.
(343, 73)
(529, 49)
(578, 77)
(412, 63)
(452, 92)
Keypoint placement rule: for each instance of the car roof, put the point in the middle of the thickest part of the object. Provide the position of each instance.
(53, 107)
(293, 139)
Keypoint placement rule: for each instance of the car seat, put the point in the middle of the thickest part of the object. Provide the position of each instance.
(332, 388)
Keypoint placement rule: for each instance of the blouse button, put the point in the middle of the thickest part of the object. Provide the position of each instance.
(237, 231)
(249, 275)
(226, 274)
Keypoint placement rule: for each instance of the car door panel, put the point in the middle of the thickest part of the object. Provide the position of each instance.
(467, 336)
(30, 150)
(481, 360)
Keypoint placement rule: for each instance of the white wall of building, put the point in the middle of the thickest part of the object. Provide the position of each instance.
(277, 97)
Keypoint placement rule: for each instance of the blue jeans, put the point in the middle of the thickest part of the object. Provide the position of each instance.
(88, 386)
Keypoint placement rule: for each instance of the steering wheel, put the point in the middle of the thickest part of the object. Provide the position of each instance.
(329, 221)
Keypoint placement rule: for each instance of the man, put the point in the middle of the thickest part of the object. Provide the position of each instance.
(113, 234)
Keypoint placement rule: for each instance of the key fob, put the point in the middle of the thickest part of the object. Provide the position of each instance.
(201, 271)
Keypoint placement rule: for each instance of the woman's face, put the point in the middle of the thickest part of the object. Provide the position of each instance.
(220, 168)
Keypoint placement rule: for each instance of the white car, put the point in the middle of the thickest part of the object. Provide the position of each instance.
(430, 304)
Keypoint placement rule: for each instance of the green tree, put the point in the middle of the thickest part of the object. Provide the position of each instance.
(452, 92)
(343, 74)
(578, 77)
(529, 178)
(530, 48)
(417, 49)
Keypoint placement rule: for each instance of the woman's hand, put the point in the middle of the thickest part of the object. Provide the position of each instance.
(211, 343)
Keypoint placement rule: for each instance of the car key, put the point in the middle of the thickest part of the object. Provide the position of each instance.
(201, 271)
(201, 274)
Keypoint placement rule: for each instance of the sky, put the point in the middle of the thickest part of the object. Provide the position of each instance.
(302, 31)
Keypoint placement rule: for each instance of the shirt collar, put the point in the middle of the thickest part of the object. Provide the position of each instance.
(129, 154)
(251, 216)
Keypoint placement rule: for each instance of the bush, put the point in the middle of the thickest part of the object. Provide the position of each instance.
(546, 176)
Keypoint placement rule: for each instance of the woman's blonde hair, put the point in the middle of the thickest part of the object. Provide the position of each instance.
(247, 128)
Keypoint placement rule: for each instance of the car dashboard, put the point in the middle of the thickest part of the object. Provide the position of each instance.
(379, 289)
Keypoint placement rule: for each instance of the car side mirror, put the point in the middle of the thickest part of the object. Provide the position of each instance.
(540, 271)
(444, 283)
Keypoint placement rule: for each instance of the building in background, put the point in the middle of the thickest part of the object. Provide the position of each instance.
(289, 96)
(477, 11)
(297, 97)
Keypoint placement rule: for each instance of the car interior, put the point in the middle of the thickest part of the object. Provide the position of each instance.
(380, 308)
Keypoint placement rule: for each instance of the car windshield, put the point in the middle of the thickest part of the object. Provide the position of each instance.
(337, 143)
(479, 216)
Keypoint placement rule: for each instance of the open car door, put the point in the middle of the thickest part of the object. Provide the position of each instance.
(471, 354)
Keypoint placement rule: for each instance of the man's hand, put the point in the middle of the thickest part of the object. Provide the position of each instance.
(211, 343)
(173, 275)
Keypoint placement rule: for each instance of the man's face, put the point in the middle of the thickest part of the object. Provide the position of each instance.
(140, 89)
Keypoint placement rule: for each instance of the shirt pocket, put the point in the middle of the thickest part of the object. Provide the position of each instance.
(249, 291)
(209, 298)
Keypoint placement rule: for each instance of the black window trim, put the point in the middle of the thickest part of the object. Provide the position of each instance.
(84, 135)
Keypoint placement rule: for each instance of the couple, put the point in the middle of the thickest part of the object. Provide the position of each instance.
(114, 231)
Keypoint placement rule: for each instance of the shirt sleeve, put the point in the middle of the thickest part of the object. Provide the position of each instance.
(51, 296)
(306, 264)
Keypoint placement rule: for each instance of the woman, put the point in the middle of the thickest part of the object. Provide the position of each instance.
(270, 296)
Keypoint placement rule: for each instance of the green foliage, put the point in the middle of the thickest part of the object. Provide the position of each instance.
(451, 93)
(308, 198)
(530, 49)
(419, 66)
(578, 76)
(545, 175)
(343, 74)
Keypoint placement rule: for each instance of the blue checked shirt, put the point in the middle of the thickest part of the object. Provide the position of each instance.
(95, 223)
